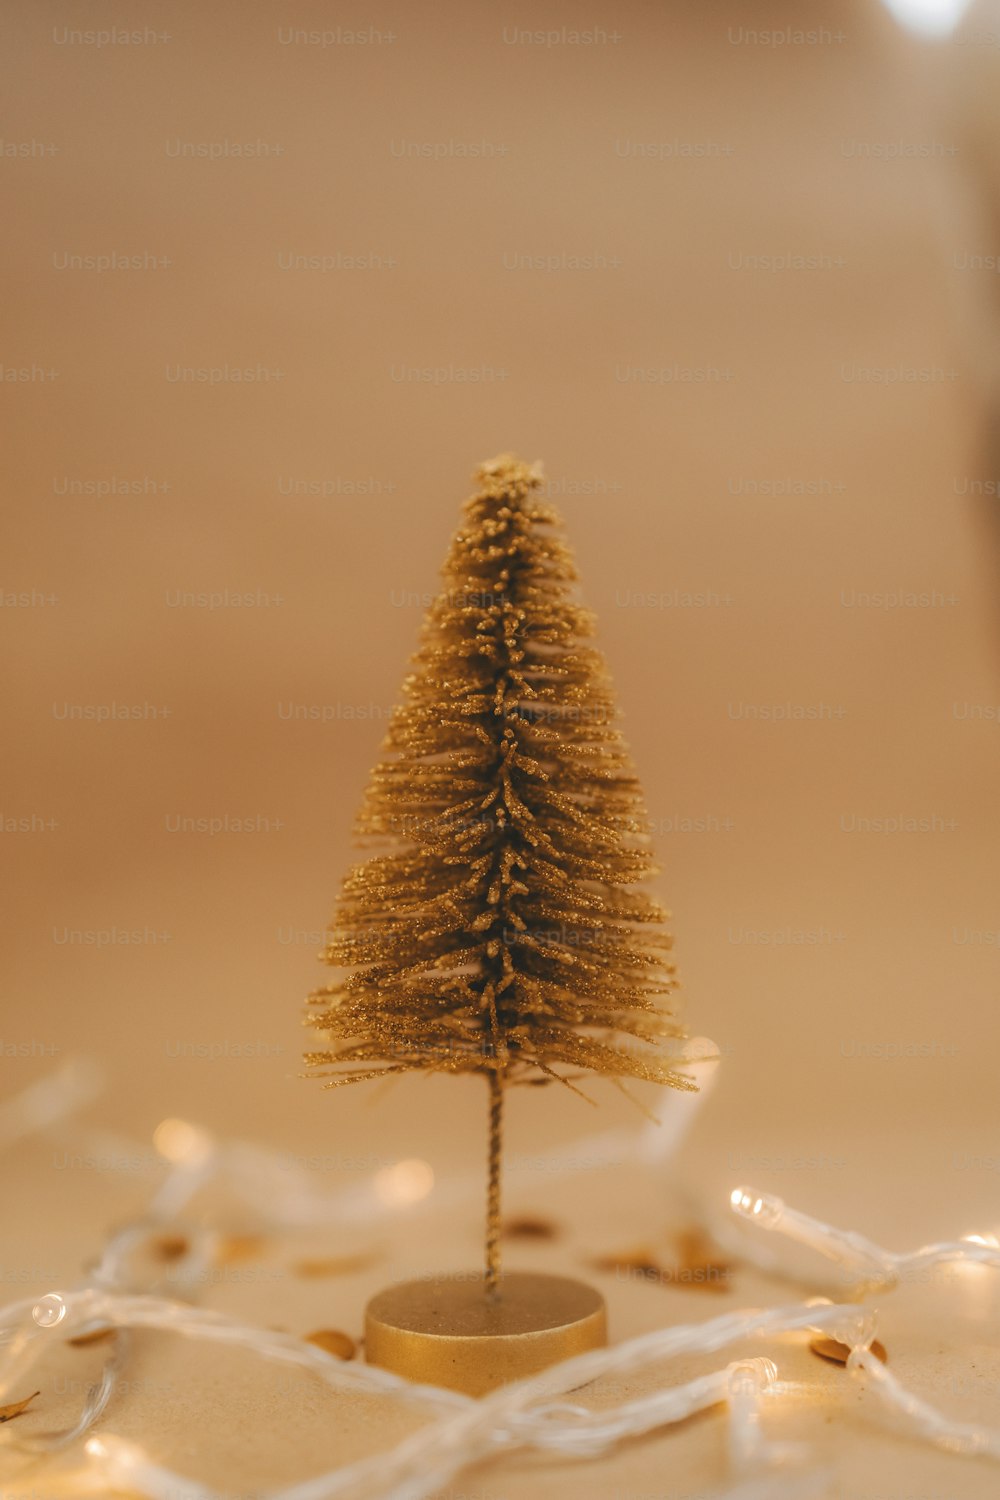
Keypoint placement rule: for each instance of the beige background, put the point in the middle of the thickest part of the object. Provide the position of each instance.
(330, 489)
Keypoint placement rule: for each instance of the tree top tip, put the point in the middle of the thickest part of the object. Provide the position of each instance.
(507, 475)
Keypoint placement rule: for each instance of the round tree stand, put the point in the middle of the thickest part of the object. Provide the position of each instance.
(447, 1330)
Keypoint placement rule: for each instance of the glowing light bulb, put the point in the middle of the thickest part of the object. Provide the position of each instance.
(49, 1311)
(404, 1182)
(755, 1376)
(858, 1329)
(179, 1141)
(764, 1208)
(122, 1461)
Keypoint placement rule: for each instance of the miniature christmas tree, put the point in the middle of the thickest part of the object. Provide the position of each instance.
(497, 931)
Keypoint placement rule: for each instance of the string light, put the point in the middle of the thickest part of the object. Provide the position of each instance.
(49, 1311)
(461, 1431)
(52, 1099)
(859, 1258)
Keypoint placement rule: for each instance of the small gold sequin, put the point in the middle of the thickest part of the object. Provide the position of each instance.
(333, 1265)
(334, 1342)
(237, 1247)
(837, 1353)
(526, 1227)
(170, 1246)
(15, 1408)
(94, 1336)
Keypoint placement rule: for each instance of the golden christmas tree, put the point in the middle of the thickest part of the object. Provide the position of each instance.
(497, 930)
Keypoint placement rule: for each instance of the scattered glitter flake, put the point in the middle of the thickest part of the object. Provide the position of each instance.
(700, 1262)
(333, 1265)
(526, 1227)
(837, 1353)
(334, 1342)
(639, 1262)
(7, 1413)
(697, 1268)
(696, 1278)
(695, 1247)
(234, 1247)
(92, 1336)
(170, 1246)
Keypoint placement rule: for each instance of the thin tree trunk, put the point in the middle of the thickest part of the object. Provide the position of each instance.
(493, 1192)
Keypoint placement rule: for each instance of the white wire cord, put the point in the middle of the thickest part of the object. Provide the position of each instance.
(531, 1414)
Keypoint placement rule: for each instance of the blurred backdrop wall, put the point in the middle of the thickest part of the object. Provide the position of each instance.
(278, 277)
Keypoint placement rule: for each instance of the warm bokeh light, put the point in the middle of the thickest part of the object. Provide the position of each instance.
(405, 1182)
(749, 1204)
(929, 17)
(180, 1141)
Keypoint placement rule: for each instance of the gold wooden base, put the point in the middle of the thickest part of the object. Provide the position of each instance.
(446, 1330)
